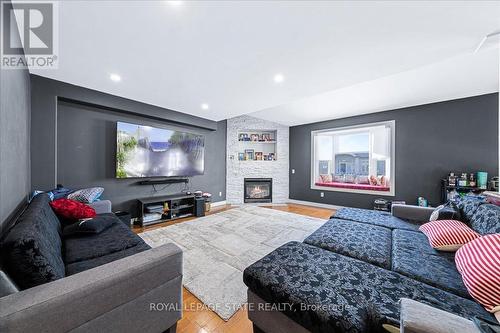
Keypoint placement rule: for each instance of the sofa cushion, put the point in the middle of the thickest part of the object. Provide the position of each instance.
(486, 219)
(417, 241)
(81, 266)
(31, 250)
(363, 241)
(384, 219)
(414, 257)
(116, 238)
(329, 292)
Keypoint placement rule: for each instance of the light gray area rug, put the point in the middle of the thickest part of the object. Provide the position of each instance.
(217, 248)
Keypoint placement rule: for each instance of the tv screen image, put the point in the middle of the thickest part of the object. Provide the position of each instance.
(145, 151)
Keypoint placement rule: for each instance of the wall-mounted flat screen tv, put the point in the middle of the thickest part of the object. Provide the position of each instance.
(145, 151)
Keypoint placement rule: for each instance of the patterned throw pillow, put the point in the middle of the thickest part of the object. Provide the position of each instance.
(486, 219)
(479, 264)
(448, 235)
(87, 195)
(338, 178)
(349, 179)
(373, 181)
(469, 205)
(362, 180)
(326, 178)
(72, 210)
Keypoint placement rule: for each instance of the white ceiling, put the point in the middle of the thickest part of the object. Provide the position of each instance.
(338, 58)
(458, 77)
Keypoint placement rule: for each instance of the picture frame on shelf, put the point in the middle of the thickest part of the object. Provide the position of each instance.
(258, 156)
(254, 137)
(243, 137)
(241, 156)
(267, 137)
(271, 157)
(249, 154)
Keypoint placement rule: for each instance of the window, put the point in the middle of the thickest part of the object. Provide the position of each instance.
(354, 159)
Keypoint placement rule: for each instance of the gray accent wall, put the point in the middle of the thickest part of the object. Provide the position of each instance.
(14, 141)
(74, 142)
(431, 140)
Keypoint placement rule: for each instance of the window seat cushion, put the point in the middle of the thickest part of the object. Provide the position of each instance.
(354, 186)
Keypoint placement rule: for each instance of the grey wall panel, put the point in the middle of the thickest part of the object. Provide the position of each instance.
(45, 94)
(14, 141)
(431, 140)
(84, 144)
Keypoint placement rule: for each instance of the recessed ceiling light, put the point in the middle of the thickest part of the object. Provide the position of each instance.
(278, 78)
(205, 106)
(115, 77)
(175, 3)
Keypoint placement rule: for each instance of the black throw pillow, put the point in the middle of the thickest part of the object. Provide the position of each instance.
(90, 226)
(448, 211)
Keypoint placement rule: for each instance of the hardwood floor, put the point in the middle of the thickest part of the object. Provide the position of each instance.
(321, 213)
(196, 317)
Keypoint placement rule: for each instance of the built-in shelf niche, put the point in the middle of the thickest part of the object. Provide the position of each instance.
(257, 145)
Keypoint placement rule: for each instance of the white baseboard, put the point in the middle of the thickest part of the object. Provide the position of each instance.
(314, 204)
(259, 204)
(219, 203)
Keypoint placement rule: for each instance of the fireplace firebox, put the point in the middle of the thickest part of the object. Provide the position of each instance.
(258, 190)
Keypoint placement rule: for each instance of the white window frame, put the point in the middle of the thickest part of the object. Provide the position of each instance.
(392, 178)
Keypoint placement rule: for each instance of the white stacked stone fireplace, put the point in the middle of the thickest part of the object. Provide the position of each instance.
(238, 170)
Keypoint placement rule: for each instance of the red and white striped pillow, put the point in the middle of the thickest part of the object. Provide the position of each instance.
(448, 235)
(479, 263)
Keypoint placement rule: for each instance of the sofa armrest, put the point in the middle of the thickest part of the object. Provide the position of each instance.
(413, 213)
(417, 317)
(101, 206)
(115, 297)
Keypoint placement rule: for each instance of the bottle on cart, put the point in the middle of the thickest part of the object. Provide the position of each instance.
(463, 180)
(472, 180)
(452, 179)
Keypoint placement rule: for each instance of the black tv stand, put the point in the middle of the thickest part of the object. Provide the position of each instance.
(164, 181)
(160, 209)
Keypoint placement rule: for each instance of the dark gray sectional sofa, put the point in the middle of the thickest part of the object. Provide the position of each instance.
(103, 282)
(350, 275)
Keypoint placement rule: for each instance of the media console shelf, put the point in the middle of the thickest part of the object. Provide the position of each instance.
(154, 210)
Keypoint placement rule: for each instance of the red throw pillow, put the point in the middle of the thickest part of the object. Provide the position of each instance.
(72, 210)
(448, 235)
(479, 263)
